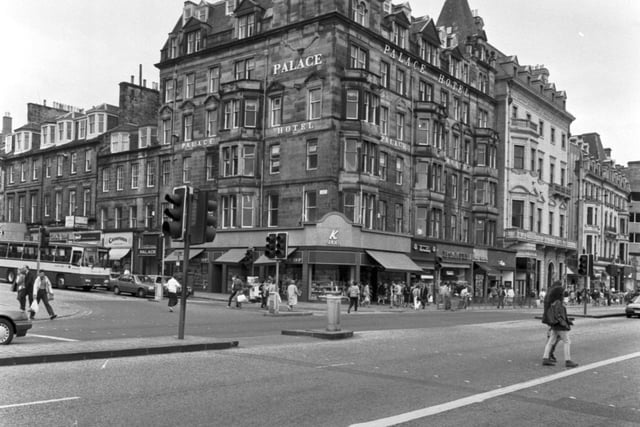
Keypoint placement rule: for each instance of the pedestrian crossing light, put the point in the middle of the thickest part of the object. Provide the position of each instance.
(177, 214)
(270, 247)
(204, 228)
(583, 265)
(281, 245)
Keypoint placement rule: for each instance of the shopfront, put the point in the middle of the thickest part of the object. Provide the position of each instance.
(456, 265)
(120, 246)
(492, 268)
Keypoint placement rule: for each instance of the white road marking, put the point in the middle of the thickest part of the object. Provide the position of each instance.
(481, 397)
(53, 338)
(39, 402)
(334, 365)
(104, 365)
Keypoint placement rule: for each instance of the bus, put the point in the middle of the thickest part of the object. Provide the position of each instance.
(67, 265)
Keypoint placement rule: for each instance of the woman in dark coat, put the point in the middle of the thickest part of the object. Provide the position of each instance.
(555, 315)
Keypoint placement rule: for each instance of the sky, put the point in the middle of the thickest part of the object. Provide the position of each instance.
(76, 52)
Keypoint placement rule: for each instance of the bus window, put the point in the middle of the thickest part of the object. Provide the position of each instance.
(62, 254)
(76, 258)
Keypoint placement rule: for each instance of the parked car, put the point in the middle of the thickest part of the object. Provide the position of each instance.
(134, 284)
(633, 307)
(13, 323)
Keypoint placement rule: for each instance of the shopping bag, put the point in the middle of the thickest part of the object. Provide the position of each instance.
(242, 298)
(34, 306)
(50, 297)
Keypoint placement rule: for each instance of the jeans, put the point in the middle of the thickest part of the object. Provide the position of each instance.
(22, 298)
(555, 336)
(42, 295)
(353, 302)
(233, 294)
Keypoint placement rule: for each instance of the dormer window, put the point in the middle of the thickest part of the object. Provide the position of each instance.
(399, 35)
(246, 26)
(230, 6)
(119, 142)
(173, 49)
(23, 142)
(359, 12)
(82, 129)
(193, 41)
(96, 124)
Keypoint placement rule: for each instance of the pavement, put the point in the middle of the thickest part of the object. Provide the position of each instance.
(31, 353)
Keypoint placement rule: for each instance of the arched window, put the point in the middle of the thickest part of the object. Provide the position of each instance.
(360, 12)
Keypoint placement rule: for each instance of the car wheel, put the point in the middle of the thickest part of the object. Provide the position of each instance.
(116, 290)
(11, 276)
(6, 332)
(142, 293)
(628, 316)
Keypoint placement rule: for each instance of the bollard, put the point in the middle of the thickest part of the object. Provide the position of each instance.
(159, 292)
(333, 313)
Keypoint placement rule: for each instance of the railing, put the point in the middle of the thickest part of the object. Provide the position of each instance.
(524, 124)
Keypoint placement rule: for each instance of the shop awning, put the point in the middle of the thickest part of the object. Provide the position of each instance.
(265, 260)
(116, 254)
(232, 256)
(392, 261)
(486, 268)
(178, 255)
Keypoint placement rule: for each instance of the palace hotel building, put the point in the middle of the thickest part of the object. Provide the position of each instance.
(389, 147)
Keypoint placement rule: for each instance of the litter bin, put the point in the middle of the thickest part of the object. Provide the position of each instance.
(333, 312)
(159, 292)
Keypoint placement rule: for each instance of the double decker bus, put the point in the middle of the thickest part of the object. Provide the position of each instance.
(67, 265)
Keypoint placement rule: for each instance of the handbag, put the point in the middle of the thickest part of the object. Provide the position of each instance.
(242, 298)
(34, 306)
(50, 297)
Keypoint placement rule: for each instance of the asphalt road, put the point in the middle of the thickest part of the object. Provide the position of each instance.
(448, 369)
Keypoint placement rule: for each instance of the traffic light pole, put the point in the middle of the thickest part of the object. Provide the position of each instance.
(587, 280)
(185, 265)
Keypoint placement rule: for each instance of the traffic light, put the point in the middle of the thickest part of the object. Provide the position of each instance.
(249, 258)
(204, 228)
(44, 237)
(590, 268)
(583, 265)
(176, 228)
(281, 245)
(438, 263)
(270, 247)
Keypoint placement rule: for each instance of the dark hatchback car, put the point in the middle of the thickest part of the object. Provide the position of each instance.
(633, 307)
(13, 323)
(134, 284)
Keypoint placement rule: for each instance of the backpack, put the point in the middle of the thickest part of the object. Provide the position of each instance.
(503, 293)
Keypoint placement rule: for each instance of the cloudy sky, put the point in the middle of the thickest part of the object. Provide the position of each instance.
(77, 51)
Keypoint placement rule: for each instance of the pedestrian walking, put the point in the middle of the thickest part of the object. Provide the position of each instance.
(292, 294)
(556, 318)
(511, 295)
(20, 286)
(30, 278)
(43, 292)
(502, 294)
(236, 291)
(555, 292)
(424, 295)
(172, 291)
(416, 297)
(366, 295)
(353, 292)
(264, 293)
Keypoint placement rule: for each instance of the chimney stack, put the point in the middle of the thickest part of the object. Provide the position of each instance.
(7, 124)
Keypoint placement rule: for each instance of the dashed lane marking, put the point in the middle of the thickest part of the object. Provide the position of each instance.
(38, 402)
(49, 337)
(481, 397)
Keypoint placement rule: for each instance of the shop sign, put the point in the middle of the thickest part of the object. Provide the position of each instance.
(333, 238)
(147, 252)
(89, 236)
(293, 65)
(454, 255)
(76, 221)
(422, 68)
(424, 248)
(118, 240)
